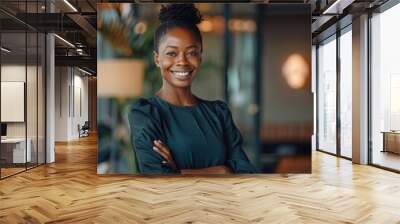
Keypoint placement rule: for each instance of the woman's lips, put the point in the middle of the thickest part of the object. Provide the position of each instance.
(182, 75)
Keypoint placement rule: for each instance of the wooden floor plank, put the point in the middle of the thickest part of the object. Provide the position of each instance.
(70, 191)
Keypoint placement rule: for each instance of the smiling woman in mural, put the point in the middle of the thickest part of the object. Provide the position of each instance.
(175, 131)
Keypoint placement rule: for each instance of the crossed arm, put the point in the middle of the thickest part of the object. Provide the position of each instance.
(165, 153)
(146, 126)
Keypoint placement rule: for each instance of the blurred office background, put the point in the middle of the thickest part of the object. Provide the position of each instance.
(256, 57)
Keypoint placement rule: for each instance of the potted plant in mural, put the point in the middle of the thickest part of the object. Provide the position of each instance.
(125, 72)
(121, 35)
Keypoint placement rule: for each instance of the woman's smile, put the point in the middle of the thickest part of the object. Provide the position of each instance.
(182, 74)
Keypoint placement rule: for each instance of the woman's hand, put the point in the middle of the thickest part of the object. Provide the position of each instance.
(164, 151)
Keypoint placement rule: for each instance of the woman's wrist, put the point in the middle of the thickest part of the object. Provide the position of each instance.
(208, 170)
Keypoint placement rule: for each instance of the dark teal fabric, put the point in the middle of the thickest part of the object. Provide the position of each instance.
(198, 136)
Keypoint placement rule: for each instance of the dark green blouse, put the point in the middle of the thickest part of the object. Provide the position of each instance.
(198, 136)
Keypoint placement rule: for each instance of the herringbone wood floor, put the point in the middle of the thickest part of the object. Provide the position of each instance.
(69, 191)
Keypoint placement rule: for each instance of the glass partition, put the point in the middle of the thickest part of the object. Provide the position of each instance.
(385, 89)
(346, 92)
(13, 108)
(327, 95)
(22, 89)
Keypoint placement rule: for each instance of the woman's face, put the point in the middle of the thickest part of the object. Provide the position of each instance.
(178, 57)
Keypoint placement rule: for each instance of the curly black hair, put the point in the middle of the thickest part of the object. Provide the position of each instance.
(178, 15)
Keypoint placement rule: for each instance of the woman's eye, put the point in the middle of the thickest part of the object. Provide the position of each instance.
(194, 53)
(172, 54)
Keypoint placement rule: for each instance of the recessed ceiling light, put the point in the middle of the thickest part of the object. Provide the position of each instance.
(70, 5)
(337, 7)
(5, 50)
(84, 71)
(64, 40)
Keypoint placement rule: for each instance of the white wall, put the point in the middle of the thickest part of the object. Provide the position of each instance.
(80, 96)
(61, 103)
(70, 83)
(33, 126)
(12, 73)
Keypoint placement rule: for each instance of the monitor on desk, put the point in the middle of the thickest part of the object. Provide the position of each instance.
(3, 130)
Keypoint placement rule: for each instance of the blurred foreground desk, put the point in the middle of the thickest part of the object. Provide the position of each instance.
(13, 150)
(391, 141)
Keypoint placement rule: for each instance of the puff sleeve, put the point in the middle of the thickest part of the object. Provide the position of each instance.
(145, 126)
(237, 159)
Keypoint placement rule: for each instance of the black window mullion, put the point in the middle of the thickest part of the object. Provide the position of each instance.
(44, 72)
(338, 98)
(317, 97)
(0, 93)
(37, 90)
(369, 90)
(73, 92)
(26, 87)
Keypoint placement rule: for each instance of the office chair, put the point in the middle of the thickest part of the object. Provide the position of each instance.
(84, 130)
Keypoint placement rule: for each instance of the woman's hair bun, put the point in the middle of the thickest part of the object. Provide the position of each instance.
(180, 12)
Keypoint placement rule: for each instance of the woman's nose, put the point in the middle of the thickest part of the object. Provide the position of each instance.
(182, 60)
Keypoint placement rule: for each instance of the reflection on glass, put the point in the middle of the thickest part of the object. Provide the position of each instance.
(385, 89)
(345, 94)
(14, 146)
(22, 90)
(327, 96)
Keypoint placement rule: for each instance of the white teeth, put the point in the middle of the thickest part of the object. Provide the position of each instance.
(181, 73)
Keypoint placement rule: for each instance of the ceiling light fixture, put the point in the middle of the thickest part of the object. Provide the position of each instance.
(331, 7)
(337, 7)
(70, 5)
(65, 41)
(84, 71)
(5, 50)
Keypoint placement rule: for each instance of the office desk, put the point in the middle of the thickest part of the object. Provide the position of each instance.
(15, 148)
(391, 141)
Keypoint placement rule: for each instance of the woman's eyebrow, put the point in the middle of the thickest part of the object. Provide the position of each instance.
(171, 46)
(192, 46)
